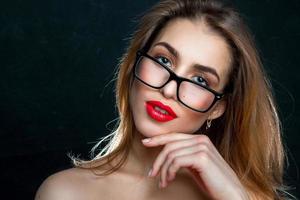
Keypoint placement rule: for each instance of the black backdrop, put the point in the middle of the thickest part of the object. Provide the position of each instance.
(57, 60)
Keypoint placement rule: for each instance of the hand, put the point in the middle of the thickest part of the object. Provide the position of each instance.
(199, 155)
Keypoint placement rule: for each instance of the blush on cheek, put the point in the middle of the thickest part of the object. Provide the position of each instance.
(195, 96)
(205, 103)
(199, 101)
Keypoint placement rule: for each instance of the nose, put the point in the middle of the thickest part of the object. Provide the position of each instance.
(169, 90)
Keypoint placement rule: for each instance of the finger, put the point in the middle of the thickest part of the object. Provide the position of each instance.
(165, 175)
(166, 138)
(201, 139)
(198, 161)
(168, 148)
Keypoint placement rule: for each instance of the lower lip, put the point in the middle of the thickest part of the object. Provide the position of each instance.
(156, 115)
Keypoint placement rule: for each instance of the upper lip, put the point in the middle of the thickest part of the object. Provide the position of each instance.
(162, 106)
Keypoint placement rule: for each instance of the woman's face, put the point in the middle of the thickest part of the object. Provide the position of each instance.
(194, 46)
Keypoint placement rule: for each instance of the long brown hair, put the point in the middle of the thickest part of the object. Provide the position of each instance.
(247, 135)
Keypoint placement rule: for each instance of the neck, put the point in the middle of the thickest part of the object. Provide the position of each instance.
(141, 158)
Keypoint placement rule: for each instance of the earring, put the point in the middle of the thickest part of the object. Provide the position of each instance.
(208, 123)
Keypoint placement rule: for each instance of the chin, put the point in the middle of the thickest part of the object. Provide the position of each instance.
(149, 128)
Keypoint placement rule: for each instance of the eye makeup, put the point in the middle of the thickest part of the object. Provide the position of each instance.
(161, 53)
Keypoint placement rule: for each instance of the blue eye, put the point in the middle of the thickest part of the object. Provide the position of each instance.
(200, 80)
(163, 60)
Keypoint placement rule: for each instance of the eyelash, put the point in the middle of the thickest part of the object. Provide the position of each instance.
(203, 79)
(157, 57)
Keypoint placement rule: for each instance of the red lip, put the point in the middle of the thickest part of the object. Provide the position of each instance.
(157, 115)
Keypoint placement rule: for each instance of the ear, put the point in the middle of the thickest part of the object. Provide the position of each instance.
(218, 110)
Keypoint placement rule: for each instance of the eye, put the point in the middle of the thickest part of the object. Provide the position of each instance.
(200, 80)
(165, 61)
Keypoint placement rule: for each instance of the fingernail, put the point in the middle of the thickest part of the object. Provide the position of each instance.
(146, 140)
(150, 173)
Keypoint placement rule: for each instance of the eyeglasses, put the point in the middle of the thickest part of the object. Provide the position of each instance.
(155, 74)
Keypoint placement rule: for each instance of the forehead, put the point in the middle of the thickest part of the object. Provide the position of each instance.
(196, 44)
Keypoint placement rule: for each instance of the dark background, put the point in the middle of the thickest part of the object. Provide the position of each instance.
(57, 60)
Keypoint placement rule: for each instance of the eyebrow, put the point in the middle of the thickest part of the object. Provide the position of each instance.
(200, 67)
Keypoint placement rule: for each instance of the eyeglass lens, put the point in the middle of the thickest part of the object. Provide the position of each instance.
(191, 94)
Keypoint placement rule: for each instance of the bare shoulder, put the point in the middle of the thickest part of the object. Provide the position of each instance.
(68, 184)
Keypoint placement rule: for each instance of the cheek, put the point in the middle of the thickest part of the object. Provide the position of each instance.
(191, 121)
(135, 101)
(135, 94)
(196, 96)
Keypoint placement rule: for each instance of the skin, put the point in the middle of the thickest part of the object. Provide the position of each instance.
(182, 165)
(181, 148)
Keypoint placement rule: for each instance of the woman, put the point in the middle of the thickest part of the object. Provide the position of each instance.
(197, 117)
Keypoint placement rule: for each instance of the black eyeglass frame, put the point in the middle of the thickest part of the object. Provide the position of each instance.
(178, 79)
